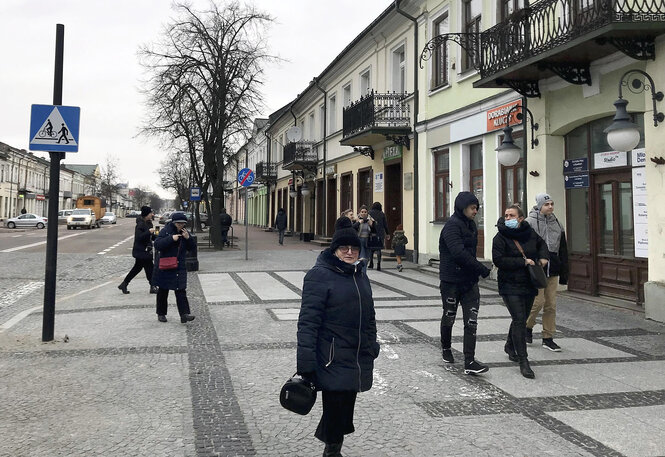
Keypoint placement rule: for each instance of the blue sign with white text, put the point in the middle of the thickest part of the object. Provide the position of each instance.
(576, 181)
(195, 194)
(54, 128)
(246, 177)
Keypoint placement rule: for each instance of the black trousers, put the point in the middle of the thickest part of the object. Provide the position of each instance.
(377, 252)
(140, 264)
(519, 307)
(452, 296)
(180, 299)
(337, 418)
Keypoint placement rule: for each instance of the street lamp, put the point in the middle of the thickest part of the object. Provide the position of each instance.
(304, 189)
(623, 134)
(507, 153)
(292, 192)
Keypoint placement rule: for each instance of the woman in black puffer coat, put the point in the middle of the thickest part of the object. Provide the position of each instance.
(337, 333)
(173, 241)
(515, 285)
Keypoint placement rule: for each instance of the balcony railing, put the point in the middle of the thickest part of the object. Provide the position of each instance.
(300, 155)
(548, 24)
(266, 171)
(376, 111)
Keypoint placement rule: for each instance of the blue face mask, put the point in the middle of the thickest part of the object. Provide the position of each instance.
(512, 223)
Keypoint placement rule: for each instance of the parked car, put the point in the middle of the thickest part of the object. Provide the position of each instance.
(26, 220)
(63, 214)
(165, 218)
(109, 218)
(133, 213)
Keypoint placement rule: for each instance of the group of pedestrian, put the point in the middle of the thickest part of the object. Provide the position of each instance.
(172, 242)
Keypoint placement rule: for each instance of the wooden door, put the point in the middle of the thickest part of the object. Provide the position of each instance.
(331, 201)
(319, 208)
(392, 183)
(365, 191)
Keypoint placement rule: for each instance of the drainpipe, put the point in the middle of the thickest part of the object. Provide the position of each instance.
(416, 224)
(525, 148)
(324, 212)
(268, 146)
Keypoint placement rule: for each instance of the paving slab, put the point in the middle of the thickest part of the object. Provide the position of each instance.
(267, 287)
(635, 432)
(485, 327)
(220, 287)
(403, 284)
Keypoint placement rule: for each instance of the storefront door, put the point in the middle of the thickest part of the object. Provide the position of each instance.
(393, 188)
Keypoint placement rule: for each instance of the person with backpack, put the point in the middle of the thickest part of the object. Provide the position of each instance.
(398, 243)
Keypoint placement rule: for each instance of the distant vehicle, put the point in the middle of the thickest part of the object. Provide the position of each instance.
(204, 219)
(94, 204)
(109, 218)
(82, 217)
(63, 215)
(165, 218)
(26, 220)
(133, 213)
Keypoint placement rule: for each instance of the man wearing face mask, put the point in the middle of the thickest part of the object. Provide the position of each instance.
(459, 270)
(544, 222)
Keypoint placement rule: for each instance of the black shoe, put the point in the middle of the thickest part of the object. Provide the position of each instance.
(447, 356)
(549, 343)
(525, 369)
(474, 368)
(333, 450)
(154, 289)
(161, 318)
(123, 287)
(186, 318)
(378, 267)
(370, 266)
(512, 355)
(529, 335)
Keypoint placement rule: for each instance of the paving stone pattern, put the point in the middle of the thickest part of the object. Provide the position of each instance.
(125, 384)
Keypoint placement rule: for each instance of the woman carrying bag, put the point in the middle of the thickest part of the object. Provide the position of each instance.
(337, 334)
(514, 248)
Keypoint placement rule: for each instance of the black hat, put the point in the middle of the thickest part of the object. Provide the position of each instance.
(178, 216)
(345, 234)
(145, 210)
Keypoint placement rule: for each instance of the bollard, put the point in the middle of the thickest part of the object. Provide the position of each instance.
(192, 260)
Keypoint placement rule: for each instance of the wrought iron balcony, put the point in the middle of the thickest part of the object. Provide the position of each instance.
(375, 117)
(266, 172)
(561, 37)
(302, 155)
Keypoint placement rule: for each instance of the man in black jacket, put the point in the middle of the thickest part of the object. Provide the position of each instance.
(459, 270)
(225, 222)
(142, 250)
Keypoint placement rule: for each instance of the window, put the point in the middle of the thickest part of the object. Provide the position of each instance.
(322, 116)
(311, 126)
(477, 186)
(365, 83)
(442, 185)
(471, 23)
(440, 64)
(332, 108)
(508, 7)
(399, 70)
(346, 95)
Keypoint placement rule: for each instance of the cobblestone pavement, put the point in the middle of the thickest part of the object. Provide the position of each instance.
(117, 382)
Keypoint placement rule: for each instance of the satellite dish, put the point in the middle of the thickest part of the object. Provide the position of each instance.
(294, 134)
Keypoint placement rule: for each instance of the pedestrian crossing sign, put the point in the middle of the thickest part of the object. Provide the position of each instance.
(54, 128)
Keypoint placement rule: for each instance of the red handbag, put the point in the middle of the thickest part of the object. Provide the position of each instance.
(168, 263)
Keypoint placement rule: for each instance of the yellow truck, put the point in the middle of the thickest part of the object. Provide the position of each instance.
(88, 213)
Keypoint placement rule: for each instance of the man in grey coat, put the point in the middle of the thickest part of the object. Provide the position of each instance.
(544, 222)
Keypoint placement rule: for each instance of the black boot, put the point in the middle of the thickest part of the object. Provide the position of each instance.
(123, 287)
(154, 289)
(378, 266)
(512, 355)
(525, 369)
(333, 450)
(371, 264)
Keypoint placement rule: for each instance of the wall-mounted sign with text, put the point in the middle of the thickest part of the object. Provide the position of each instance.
(576, 165)
(392, 152)
(610, 159)
(576, 181)
(497, 118)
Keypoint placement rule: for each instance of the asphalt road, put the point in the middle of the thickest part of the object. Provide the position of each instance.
(110, 239)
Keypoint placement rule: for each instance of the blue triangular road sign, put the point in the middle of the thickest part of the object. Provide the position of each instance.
(54, 128)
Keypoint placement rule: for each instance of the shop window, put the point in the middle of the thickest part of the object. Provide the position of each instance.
(346, 191)
(476, 180)
(442, 209)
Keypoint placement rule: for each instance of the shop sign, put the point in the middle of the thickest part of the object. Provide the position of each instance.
(392, 152)
(576, 165)
(639, 157)
(610, 159)
(40, 197)
(378, 182)
(497, 118)
(576, 181)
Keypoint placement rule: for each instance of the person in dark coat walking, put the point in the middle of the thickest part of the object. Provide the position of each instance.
(382, 233)
(144, 234)
(173, 241)
(515, 285)
(337, 333)
(459, 270)
(225, 223)
(280, 224)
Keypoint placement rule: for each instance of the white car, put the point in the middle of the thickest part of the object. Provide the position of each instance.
(81, 217)
(109, 218)
(26, 220)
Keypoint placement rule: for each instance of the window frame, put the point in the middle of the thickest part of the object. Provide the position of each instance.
(440, 60)
(470, 25)
(445, 176)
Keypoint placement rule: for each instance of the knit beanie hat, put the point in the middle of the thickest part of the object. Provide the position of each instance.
(345, 234)
(145, 210)
(541, 199)
(178, 216)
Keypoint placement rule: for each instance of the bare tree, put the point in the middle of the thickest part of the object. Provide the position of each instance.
(110, 179)
(204, 89)
(141, 196)
(174, 174)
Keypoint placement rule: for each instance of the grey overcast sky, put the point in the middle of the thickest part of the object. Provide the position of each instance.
(102, 74)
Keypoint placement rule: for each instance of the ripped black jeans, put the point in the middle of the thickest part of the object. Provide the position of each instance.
(468, 296)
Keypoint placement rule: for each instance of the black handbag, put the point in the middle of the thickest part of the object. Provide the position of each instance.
(298, 395)
(536, 272)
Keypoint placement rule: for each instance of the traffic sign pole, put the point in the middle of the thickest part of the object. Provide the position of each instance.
(246, 179)
(48, 322)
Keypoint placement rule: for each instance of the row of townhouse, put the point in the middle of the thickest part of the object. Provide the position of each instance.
(25, 178)
(412, 112)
